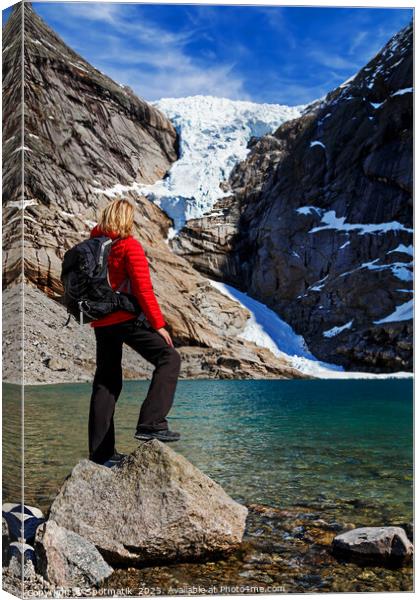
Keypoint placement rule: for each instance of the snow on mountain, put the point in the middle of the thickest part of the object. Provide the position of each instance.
(403, 312)
(214, 133)
(266, 329)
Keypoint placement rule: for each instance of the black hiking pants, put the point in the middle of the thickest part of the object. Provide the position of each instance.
(107, 383)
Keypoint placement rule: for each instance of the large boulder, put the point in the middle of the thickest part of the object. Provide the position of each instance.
(154, 506)
(64, 558)
(381, 544)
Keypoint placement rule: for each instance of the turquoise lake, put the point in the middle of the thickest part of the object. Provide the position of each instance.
(343, 443)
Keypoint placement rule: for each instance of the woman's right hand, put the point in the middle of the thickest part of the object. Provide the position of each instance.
(165, 334)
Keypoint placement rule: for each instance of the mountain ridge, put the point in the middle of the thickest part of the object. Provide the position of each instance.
(84, 132)
(306, 209)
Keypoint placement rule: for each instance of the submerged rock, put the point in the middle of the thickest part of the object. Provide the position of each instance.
(374, 543)
(294, 564)
(154, 506)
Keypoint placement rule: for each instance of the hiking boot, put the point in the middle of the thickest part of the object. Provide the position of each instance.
(163, 435)
(114, 460)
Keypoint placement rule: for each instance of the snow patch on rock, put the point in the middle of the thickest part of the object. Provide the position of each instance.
(403, 312)
(266, 329)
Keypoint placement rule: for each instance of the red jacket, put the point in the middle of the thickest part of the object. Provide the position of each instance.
(128, 260)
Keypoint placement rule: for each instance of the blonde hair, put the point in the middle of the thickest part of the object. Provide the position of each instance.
(117, 217)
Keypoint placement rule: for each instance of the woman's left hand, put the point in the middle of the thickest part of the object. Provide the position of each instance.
(165, 334)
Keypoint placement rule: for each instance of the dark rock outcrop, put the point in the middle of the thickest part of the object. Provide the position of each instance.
(84, 134)
(319, 223)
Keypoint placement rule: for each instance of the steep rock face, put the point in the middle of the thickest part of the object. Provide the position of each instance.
(84, 133)
(12, 221)
(79, 125)
(319, 222)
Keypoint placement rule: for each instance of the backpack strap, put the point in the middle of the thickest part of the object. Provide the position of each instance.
(126, 280)
(122, 285)
(102, 252)
(103, 247)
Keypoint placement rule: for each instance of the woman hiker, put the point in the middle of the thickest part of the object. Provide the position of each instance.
(127, 262)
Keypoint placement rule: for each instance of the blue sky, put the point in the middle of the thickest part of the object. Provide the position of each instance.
(286, 55)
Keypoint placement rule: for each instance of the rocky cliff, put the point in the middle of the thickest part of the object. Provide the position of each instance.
(84, 133)
(318, 225)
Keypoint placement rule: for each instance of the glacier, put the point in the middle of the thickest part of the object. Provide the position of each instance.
(214, 133)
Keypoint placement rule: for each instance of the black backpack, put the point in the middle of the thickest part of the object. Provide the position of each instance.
(87, 293)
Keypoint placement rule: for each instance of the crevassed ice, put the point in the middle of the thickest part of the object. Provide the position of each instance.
(214, 133)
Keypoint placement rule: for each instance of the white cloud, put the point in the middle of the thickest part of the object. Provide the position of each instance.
(154, 61)
(105, 12)
(276, 18)
(187, 80)
(124, 21)
(332, 61)
(357, 41)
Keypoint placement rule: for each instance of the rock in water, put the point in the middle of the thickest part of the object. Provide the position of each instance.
(374, 543)
(155, 506)
(65, 558)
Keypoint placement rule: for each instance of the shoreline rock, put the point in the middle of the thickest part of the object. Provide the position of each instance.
(64, 558)
(289, 547)
(153, 507)
(374, 545)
